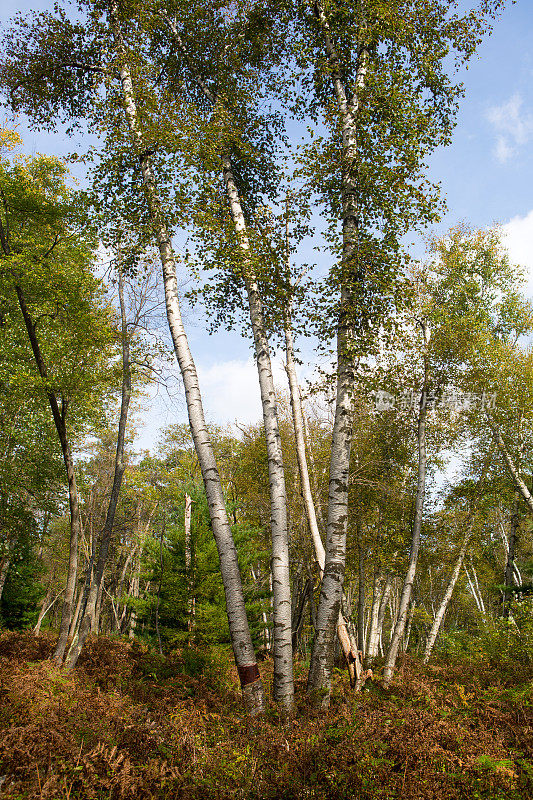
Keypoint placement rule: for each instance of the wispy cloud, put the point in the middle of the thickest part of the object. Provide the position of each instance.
(513, 126)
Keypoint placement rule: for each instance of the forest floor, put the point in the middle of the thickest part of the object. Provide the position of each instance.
(129, 724)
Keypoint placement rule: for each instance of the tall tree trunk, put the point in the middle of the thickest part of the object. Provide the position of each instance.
(238, 624)
(331, 590)
(189, 574)
(509, 576)
(283, 682)
(120, 466)
(361, 592)
(348, 649)
(372, 641)
(59, 414)
(407, 589)
(299, 436)
(159, 587)
(476, 594)
(313, 471)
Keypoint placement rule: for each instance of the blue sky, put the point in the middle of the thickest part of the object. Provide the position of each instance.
(486, 175)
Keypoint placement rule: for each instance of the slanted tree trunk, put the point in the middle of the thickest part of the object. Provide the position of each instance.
(299, 436)
(59, 414)
(313, 471)
(513, 469)
(331, 590)
(474, 590)
(238, 624)
(439, 616)
(407, 589)
(45, 608)
(407, 634)
(120, 587)
(97, 577)
(283, 682)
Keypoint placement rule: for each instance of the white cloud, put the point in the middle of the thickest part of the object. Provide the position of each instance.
(230, 393)
(513, 126)
(519, 242)
(503, 151)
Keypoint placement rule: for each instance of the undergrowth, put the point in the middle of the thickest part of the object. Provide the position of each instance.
(130, 724)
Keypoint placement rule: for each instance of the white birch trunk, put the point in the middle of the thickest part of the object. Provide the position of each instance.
(299, 436)
(478, 599)
(349, 650)
(238, 624)
(188, 562)
(283, 684)
(513, 470)
(45, 608)
(331, 590)
(313, 471)
(372, 640)
(407, 589)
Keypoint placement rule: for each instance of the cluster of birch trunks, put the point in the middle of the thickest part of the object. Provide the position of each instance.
(392, 596)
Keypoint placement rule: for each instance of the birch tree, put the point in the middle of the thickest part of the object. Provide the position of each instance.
(358, 59)
(222, 91)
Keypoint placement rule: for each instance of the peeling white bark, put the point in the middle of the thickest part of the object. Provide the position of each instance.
(283, 684)
(331, 591)
(231, 578)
